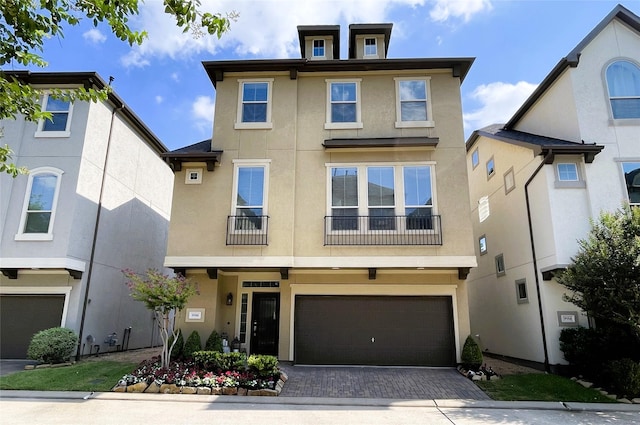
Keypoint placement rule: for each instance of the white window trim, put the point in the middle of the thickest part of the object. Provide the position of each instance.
(363, 193)
(328, 125)
(569, 184)
(53, 134)
(410, 124)
(240, 163)
(618, 121)
(239, 125)
(21, 235)
(313, 56)
(364, 48)
(188, 173)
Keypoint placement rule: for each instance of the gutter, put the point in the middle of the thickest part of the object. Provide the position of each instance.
(549, 155)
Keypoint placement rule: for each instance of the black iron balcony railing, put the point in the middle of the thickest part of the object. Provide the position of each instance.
(247, 230)
(376, 230)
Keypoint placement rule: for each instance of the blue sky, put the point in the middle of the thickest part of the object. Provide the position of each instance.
(516, 43)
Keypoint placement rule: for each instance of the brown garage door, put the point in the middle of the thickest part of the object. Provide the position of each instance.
(21, 316)
(374, 330)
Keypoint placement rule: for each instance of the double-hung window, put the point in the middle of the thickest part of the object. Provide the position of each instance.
(631, 172)
(59, 125)
(249, 198)
(413, 103)
(370, 47)
(385, 197)
(318, 49)
(343, 104)
(41, 198)
(623, 81)
(254, 106)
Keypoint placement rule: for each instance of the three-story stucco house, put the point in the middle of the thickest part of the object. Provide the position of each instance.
(571, 151)
(327, 221)
(97, 200)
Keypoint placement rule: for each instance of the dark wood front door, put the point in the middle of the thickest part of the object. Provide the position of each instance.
(265, 321)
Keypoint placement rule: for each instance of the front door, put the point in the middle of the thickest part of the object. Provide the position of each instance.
(265, 321)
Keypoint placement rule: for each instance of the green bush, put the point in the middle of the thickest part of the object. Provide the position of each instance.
(192, 345)
(263, 365)
(176, 353)
(471, 354)
(214, 342)
(53, 345)
(624, 377)
(214, 360)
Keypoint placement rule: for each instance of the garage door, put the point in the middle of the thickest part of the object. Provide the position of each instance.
(21, 316)
(374, 330)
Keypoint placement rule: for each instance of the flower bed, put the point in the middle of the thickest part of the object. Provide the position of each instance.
(202, 377)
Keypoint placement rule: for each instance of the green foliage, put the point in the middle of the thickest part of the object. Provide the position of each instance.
(604, 277)
(160, 292)
(177, 349)
(580, 347)
(214, 360)
(54, 345)
(471, 354)
(263, 365)
(8, 167)
(192, 345)
(214, 342)
(624, 377)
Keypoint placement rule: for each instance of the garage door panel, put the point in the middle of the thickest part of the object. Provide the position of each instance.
(375, 330)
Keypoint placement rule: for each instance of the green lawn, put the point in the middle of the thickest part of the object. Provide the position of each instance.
(85, 376)
(540, 387)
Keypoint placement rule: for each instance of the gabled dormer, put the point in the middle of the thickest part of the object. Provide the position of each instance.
(369, 41)
(319, 42)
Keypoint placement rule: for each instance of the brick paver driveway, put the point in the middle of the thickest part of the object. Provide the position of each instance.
(379, 382)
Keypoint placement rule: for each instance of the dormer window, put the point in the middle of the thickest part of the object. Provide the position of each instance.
(370, 47)
(318, 49)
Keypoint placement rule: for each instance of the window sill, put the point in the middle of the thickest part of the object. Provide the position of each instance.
(34, 237)
(342, 125)
(415, 124)
(624, 121)
(253, 126)
(52, 134)
(570, 185)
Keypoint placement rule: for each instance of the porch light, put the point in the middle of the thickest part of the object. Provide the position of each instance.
(229, 298)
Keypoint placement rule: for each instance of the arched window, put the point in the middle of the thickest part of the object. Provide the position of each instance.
(39, 206)
(623, 81)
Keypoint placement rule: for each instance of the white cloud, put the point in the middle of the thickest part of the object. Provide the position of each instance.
(444, 10)
(94, 36)
(498, 102)
(175, 77)
(159, 99)
(203, 109)
(268, 28)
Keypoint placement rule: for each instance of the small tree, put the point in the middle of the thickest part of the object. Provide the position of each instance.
(163, 295)
(604, 277)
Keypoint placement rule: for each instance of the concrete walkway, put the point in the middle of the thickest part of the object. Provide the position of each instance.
(379, 382)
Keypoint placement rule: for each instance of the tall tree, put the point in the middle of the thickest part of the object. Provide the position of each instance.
(604, 277)
(26, 24)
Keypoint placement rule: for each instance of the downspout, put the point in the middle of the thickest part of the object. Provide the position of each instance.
(95, 232)
(535, 262)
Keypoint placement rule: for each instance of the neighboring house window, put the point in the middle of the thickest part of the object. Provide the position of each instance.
(318, 48)
(385, 194)
(491, 169)
(475, 158)
(482, 244)
(39, 205)
(413, 103)
(60, 123)
(521, 291)
(631, 172)
(193, 176)
(249, 198)
(500, 270)
(509, 181)
(254, 107)
(343, 104)
(370, 47)
(568, 176)
(623, 81)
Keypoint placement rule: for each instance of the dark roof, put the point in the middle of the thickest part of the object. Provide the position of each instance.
(200, 147)
(368, 29)
(573, 58)
(217, 69)
(197, 152)
(319, 30)
(541, 145)
(87, 79)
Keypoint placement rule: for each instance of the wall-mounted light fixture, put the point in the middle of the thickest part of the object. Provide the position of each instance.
(229, 298)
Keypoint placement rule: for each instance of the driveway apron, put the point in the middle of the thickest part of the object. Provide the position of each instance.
(379, 382)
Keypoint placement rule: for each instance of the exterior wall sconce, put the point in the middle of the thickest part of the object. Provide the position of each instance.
(229, 298)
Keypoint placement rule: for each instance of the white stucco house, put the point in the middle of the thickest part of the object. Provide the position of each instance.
(97, 200)
(571, 151)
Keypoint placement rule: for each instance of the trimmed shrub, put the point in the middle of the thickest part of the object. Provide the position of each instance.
(53, 345)
(471, 354)
(192, 345)
(263, 365)
(214, 360)
(176, 353)
(214, 342)
(624, 377)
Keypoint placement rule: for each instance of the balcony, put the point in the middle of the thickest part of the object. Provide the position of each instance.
(382, 230)
(247, 229)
